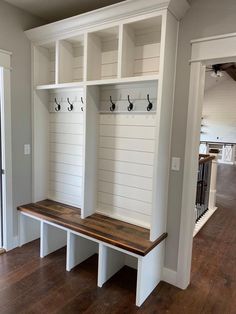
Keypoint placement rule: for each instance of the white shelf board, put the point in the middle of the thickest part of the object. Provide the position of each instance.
(124, 80)
(62, 85)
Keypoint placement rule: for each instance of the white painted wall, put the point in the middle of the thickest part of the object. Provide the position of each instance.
(204, 18)
(13, 22)
(219, 110)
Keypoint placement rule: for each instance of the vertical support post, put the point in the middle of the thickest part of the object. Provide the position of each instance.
(28, 229)
(110, 262)
(78, 250)
(149, 273)
(52, 239)
(212, 198)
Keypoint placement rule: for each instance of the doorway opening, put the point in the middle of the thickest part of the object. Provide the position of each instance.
(217, 141)
(207, 51)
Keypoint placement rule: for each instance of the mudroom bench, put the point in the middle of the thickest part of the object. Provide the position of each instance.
(117, 243)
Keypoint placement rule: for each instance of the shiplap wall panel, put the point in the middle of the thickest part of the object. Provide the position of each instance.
(52, 66)
(124, 202)
(109, 58)
(126, 149)
(124, 191)
(138, 96)
(66, 149)
(66, 178)
(128, 143)
(137, 218)
(126, 156)
(127, 168)
(125, 179)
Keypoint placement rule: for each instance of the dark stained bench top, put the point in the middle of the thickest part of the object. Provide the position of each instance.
(115, 232)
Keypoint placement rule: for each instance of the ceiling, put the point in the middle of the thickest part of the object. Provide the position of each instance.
(54, 10)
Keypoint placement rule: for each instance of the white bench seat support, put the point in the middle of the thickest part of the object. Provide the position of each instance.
(52, 238)
(29, 228)
(110, 262)
(80, 247)
(78, 250)
(149, 273)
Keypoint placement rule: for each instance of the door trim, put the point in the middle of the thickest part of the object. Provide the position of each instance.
(211, 50)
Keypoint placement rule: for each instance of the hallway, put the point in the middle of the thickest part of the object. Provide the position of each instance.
(29, 284)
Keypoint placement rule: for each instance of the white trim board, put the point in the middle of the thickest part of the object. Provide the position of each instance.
(9, 240)
(203, 52)
(103, 16)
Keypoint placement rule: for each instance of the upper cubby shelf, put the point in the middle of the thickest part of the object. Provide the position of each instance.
(71, 60)
(102, 52)
(44, 64)
(124, 53)
(141, 47)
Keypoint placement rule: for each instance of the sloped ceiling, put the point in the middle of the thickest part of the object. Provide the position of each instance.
(53, 10)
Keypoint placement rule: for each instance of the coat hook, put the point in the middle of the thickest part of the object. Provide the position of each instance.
(82, 101)
(113, 105)
(150, 105)
(58, 108)
(131, 105)
(71, 107)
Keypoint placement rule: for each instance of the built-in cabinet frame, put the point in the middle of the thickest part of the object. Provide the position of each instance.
(122, 34)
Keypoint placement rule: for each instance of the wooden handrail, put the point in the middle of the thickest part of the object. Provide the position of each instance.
(203, 158)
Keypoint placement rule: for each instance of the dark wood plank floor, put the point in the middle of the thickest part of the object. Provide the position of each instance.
(29, 284)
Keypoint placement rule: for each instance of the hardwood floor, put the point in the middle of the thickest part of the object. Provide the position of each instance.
(29, 284)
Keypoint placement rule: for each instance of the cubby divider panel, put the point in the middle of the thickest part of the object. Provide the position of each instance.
(45, 64)
(102, 49)
(71, 60)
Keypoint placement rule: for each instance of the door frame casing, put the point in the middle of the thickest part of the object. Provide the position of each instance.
(217, 49)
(6, 138)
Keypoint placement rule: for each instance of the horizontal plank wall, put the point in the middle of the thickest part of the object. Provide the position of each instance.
(66, 141)
(126, 153)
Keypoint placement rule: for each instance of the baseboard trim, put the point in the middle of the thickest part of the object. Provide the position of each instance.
(203, 220)
(169, 276)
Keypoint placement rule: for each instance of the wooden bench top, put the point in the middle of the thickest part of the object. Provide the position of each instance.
(115, 232)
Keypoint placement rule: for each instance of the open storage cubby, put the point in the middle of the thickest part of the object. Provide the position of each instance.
(71, 60)
(125, 151)
(45, 64)
(102, 50)
(141, 47)
(59, 146)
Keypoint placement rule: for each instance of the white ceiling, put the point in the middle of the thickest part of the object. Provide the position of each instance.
(53, 10)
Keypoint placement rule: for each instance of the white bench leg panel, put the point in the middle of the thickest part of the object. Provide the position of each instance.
(149, 273)
(29, 229)
(110, 262)
(78, 250)
(52, 239)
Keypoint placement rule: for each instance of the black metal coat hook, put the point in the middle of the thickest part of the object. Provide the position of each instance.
(150, 105)
(131, 105)
(71, 107)
(58, 108)
(113, 105)
(82, 101)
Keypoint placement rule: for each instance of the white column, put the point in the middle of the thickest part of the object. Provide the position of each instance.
(212, 197)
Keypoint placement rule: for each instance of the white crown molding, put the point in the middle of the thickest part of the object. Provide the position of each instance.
(104, 16)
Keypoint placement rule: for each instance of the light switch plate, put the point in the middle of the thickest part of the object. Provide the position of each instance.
(27, 149)
(175, 164)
